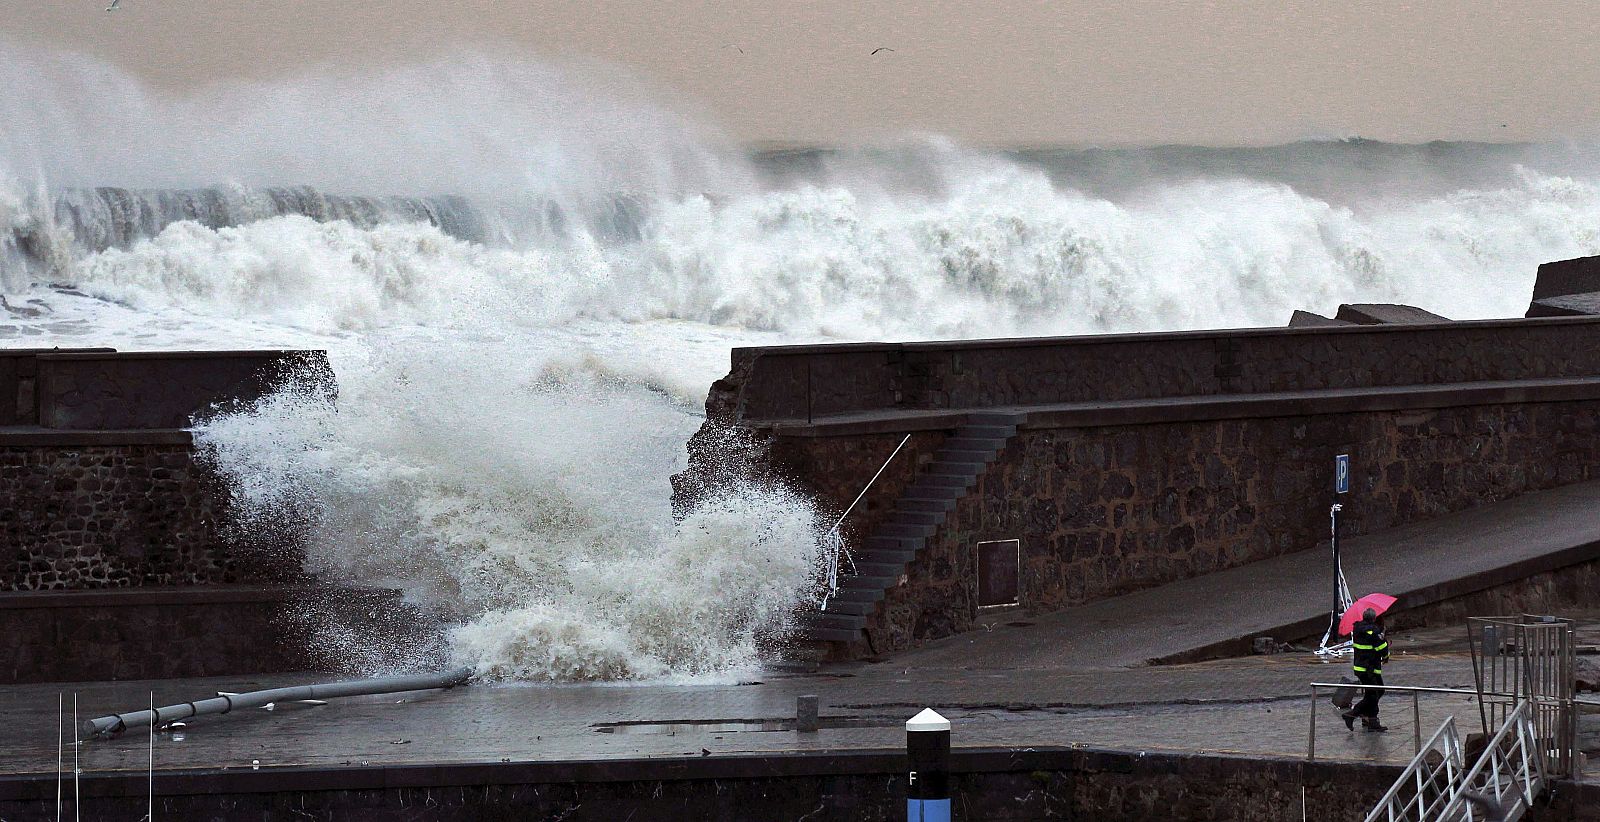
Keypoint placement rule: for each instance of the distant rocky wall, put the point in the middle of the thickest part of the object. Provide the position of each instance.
(1108, 509)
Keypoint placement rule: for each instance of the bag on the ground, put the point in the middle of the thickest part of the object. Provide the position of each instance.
(1345, 695)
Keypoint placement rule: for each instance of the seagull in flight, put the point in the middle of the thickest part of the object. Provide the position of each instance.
(113, 5)
(881, 48)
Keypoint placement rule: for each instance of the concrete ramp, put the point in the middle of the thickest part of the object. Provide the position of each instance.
(1289, 597)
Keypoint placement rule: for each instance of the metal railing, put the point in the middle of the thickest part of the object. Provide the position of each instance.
(1510, 773)
(1428, 784)
(1528, 658)
(1501, 785)
(834, 550)
(1416, 709)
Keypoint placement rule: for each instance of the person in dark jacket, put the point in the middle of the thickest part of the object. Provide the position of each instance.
(1372, 650)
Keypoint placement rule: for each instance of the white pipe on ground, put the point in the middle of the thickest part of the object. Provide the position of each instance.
(117, 723)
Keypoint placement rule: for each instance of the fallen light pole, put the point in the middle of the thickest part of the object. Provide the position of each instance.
(223, 703)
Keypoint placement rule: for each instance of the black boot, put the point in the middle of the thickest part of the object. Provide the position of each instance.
(1371, 724)
(1349, 718)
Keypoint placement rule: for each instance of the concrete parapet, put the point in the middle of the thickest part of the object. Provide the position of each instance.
(1386, 313)
(808, 383)
(119, 390)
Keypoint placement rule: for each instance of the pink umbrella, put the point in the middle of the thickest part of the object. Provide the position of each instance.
(1377, 602)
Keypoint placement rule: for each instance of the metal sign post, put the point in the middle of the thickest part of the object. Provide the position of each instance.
(1341, 589)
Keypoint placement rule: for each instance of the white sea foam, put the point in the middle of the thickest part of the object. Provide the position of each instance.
(529, 505)
(510, 411)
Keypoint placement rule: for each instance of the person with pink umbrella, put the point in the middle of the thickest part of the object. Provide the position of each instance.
(1371, 651)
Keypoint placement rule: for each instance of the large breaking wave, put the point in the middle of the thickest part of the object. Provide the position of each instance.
(526, 280)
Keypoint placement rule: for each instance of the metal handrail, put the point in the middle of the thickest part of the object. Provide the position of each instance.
(1422, 775)
(833, 540)
(1416, 708)
(1525, 773)
(1511, 770)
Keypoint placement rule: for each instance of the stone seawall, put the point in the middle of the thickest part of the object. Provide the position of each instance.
(102, 484)
(789, 383)
(995, 785)
(107, 503)
(1106, 510)
(127, 510)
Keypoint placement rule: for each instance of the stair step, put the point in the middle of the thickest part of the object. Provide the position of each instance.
(965, 442)
(859, 607)
(858, 595)
(888, 543)
(965, 455)
(915, 518)
(925, 504)
(858, 581)
(948, 481)
(870, 557)
(922, 489)
(880, 569)
(952, 468)
(831, 620)
(896, 530)
(996, 431)
(830, 635)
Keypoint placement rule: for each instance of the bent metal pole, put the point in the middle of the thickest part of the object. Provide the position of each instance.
(222, 704)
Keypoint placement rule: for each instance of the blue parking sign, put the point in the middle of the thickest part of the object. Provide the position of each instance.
(1341, 474)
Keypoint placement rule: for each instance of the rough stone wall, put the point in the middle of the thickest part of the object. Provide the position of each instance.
(1106, 510)
(106, 516)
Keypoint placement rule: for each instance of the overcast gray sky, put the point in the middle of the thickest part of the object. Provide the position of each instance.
(1003, 72)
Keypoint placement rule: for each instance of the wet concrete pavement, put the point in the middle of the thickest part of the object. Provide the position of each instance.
(1257, 705)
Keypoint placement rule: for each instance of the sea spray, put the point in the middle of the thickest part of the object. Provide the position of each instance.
(526, 507)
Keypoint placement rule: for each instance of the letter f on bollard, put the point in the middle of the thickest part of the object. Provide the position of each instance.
(928, 781)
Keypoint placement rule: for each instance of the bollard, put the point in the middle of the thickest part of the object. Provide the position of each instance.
(806, 719)
(928, 781)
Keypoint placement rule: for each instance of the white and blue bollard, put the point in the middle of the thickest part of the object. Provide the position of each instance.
(928, 781)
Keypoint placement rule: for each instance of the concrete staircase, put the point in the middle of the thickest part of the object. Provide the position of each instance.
(919, 513)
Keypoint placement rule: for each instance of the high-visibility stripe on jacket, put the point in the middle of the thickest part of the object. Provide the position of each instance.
(1372, 648)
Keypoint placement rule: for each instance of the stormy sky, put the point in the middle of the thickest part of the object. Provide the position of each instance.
(1000, 72)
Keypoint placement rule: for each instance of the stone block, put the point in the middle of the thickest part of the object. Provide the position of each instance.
(1306, 319)
(1580, 275)
(1566, 305)
(1386, 314)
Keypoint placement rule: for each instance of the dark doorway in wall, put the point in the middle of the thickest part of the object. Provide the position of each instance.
(998, 562)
